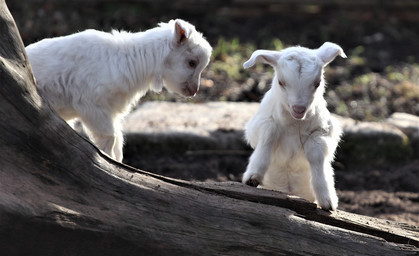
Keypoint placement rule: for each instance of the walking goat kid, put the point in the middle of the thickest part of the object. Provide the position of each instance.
(96, 76)
(293, 134)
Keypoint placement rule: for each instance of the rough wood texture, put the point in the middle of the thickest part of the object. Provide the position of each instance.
(60, 196)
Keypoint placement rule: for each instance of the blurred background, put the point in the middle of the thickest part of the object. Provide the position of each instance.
(380, 76)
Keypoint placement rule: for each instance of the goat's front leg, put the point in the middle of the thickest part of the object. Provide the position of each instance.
(119, 144)
(322, 181)
(259, 160)
(104, 132)
(106, 143)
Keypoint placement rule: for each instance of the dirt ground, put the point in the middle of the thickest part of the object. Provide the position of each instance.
(388, 192)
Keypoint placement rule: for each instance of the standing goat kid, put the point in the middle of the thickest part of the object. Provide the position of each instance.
(97, 77)
(293, 134)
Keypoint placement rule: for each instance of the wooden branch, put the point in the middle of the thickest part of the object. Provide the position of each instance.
(59, 195)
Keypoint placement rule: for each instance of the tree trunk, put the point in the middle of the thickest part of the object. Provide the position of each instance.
(59, 195)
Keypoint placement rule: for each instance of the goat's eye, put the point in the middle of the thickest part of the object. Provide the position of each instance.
(282, 84)
(316, 84)
(192, 63)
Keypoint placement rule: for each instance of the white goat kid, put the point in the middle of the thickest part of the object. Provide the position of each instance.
(293, 134)
(96, 76)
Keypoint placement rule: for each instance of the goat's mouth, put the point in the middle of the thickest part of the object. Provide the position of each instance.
(298, 116)
(190, 91)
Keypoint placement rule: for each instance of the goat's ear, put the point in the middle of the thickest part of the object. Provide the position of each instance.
(182, 31)
(263, 56)
(328, 52)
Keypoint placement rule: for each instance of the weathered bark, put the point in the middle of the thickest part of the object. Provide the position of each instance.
(59, 195)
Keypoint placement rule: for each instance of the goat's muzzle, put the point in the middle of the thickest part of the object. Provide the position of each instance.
(298, 111)
(190, 90)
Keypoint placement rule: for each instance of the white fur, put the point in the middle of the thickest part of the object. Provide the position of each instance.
(293, 134)
(97, 76)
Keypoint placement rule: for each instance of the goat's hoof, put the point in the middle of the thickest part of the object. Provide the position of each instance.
(327, 208)
(329, 205)
(252, 182)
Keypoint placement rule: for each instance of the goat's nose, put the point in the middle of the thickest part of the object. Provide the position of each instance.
(299, 109)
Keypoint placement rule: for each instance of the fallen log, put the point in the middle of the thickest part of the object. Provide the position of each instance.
(59, 195)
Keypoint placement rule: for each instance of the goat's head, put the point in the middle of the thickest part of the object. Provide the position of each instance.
(189, 55)
(298, 74)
